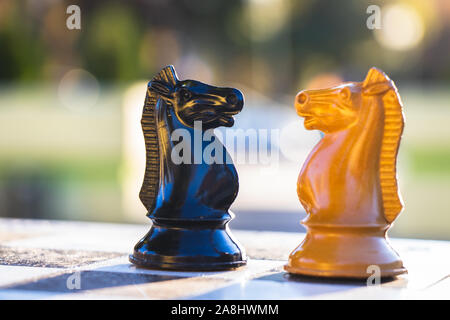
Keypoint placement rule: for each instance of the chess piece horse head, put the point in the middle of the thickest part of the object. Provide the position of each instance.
(362, 123)
(196, 188)
(188, 200)
(348, 184)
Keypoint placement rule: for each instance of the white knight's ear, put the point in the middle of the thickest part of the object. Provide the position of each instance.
(375, 75)
(376, 82)
(376, 88)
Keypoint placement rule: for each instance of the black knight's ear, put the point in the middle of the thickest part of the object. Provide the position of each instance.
(161, 88)
(164, 83)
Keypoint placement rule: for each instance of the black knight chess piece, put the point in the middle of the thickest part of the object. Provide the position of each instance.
(188, 202)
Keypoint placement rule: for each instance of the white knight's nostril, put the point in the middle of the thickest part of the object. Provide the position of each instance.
(302, 98)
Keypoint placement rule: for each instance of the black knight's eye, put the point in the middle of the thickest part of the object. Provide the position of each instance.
(185, 94)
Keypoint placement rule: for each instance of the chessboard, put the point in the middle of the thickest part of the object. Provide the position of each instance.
(80, 260)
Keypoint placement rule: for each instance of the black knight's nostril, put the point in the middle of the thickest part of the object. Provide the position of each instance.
(302, 98)
(232, 99)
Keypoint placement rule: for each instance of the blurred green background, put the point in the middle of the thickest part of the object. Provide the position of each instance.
(70, 100)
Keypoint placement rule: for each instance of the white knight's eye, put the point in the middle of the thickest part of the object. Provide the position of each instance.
(345, 93)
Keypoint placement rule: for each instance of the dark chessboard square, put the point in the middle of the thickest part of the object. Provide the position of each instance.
(89, 280)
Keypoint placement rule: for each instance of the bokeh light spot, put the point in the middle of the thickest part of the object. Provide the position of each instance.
(78, 90)
(402, 27)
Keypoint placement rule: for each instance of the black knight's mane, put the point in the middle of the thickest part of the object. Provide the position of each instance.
(150, 185)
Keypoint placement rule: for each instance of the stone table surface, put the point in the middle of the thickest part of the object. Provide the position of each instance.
(79, 260)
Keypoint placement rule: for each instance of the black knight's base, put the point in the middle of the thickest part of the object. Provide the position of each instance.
(197, 246)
